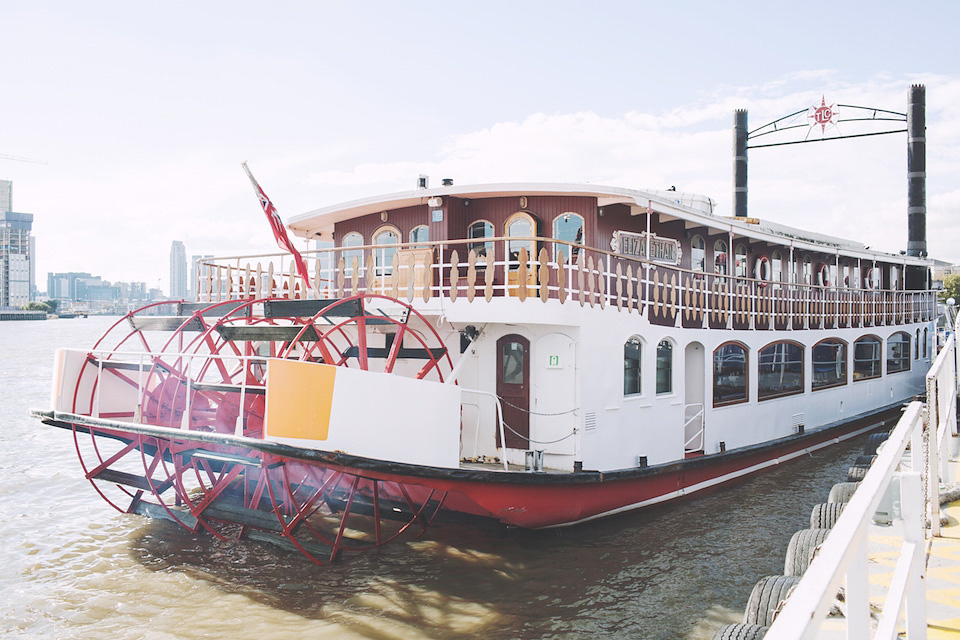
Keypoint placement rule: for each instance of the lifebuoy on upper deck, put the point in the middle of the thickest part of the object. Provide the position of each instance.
(823, 275)
(869, 279)
(761, 270)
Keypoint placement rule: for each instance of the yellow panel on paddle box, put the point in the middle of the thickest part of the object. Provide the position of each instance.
(299, 399)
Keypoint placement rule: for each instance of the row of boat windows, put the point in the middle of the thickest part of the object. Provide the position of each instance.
(567, 227)
(846, 274)
(780, 365)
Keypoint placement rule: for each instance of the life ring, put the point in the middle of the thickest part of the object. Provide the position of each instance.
(823, 275)
(868, 279)
(761, 271)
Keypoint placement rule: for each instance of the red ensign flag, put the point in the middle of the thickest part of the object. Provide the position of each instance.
(279, 231)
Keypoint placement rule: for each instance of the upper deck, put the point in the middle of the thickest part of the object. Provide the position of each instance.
(661, 254)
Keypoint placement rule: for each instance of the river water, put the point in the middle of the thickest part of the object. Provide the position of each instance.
(75, 568)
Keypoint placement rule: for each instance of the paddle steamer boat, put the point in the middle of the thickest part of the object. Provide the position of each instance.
(537, 355)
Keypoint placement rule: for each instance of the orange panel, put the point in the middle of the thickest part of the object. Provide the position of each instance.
(299, 398)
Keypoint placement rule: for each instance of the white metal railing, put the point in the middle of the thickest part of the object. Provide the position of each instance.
(843, 559)
(193, 370)
(693, 427)
(485, 268)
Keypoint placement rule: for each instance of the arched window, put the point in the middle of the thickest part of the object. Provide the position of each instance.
(779, 370)
(855, 282)
(420, 235)
(698, 254)
(520, 225)
(916, 348)
(352, 239)
(729, 374)
(720, 257)
(742, 268)
(776, 268)
(567, 227)
(631, 366)
(664, 367)
(894, 277)
(898, 352)
(383, 257)
(829, 363)
(866, 358)
(925, 343)
(806, 271)
(483, 250)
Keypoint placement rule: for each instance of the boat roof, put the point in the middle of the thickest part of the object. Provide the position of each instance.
(694, 209)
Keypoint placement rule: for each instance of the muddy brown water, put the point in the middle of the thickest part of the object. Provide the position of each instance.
(75, 568)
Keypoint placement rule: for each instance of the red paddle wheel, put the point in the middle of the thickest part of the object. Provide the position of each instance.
(176, 406)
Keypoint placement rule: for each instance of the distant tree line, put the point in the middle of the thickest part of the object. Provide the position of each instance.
(50, 306)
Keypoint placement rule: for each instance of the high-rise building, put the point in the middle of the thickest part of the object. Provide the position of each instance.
(16, 251)
(178, 271)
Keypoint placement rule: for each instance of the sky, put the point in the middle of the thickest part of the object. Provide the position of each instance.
(142, 112)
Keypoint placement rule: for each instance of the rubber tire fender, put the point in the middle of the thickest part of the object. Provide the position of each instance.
(800, 550)
(740, 632)
(842, 491)
(873, 441)
(825, 514)
(767, 596)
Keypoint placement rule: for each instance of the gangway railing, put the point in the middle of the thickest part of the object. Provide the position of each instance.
(928, 429)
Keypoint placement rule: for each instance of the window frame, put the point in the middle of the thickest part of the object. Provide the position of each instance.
(578, 240)
(761, 396)
(669, 391)
(721, 250)
(638, 341)
(846, 365)
(702, 268)
(746, 375)
(381, 251)
(416, 243)
(482, 242)
(904, 359)
(880, 354)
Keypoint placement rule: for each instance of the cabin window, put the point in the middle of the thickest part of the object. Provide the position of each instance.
(729, 374)
(520, 225)
(352, 239)
(512, 358)
(829, 363)
(698, 254)
(419, 236)
(925, 347)
(855, 280)
(806, 273)
(664, 367)
(720, 257)
(916, 347)
(740, 265)
(776, 268)
(631, 366)
(866, 358)
(894, 278)
(480, 229)
(383, 256)
(567, 227)
(779, 370)
(898, 353)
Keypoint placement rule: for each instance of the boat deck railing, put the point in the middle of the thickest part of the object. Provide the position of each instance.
(542, 269)
(927, 430)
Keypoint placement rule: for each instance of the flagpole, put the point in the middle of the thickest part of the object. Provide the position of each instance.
(280, 232)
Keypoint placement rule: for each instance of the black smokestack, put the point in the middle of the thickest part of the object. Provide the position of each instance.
(916, 173)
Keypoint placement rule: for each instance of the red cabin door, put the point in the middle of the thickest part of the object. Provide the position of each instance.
(513, 387)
